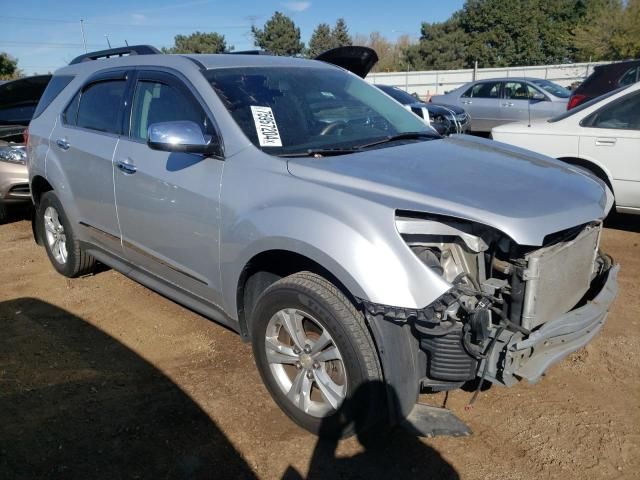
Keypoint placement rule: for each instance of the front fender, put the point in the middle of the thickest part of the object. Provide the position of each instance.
(368, 257)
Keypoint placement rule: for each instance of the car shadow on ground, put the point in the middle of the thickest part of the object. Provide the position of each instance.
(621, 221)
(77, 403)
(388, 452)
(17, 213)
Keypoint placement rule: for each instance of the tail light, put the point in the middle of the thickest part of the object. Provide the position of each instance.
(25, 135)
(575, 100)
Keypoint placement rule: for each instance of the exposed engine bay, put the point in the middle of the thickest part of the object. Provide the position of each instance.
(501, 293)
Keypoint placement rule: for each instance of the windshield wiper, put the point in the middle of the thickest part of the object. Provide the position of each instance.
(328, 152)
(399, 136)
(321, 152)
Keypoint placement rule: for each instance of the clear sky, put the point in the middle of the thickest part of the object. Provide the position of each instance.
(45, 34)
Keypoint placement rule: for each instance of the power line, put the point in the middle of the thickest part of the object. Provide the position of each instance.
(127, 25)
(47, 44)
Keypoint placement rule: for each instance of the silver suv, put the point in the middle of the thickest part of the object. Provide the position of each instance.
(365, 257)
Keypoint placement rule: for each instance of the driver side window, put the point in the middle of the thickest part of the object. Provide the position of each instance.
(155, 102)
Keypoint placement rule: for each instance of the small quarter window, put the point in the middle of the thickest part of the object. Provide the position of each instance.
(55, 86)
(156, 102)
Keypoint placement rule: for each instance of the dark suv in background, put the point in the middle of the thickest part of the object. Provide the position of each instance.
(604, 79)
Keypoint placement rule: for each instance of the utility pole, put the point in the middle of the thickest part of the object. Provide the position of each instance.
(84, 41)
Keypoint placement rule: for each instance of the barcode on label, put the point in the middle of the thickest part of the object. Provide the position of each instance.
(268, 134)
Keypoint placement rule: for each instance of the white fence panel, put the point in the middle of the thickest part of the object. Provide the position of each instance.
(433, 82)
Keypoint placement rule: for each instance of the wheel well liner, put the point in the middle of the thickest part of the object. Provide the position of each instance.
(39, 186)
(268, 267)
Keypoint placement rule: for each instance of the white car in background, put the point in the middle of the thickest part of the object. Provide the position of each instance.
(602, 136)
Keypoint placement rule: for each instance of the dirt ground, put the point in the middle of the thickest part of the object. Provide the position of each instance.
(103, 378)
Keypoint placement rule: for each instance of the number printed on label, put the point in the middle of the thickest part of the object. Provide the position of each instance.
(266, 126)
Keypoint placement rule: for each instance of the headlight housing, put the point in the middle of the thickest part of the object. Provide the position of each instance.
(13, 154)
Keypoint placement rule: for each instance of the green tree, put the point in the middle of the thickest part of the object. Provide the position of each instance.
(8, 67)
(610, 30)
(320, 41)
(199, 42)
(279, 36)
(442, 46)
(500, 33)
(340, 34)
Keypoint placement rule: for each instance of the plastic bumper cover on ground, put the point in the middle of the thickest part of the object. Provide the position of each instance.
(528, 358)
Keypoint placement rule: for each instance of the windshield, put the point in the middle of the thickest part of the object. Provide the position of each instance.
(552, 88)
(397, 94)
(584, 105)
(286, 110)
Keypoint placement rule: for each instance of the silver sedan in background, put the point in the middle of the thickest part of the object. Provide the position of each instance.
(496, 101)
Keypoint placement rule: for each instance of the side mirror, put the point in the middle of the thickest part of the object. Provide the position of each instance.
(180, 136)
(538, 97)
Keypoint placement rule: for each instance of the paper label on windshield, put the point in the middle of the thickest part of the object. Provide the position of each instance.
(266, 126)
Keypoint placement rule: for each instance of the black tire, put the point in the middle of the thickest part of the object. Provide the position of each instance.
(78, 262)
(364, 403)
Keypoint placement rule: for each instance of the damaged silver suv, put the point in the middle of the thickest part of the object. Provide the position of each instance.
(308, 211)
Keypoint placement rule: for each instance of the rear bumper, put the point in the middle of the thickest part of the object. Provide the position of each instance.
(14, 183)
(528, 358)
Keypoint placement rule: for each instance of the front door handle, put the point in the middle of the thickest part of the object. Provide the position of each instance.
(467, 102)
(606, 142)
(63, 144)
(507, 104)
(126, 166)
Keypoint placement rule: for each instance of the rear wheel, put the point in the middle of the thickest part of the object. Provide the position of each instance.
(316, 357)
(64, 251)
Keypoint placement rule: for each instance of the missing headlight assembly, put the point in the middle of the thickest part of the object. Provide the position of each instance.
(501, 293)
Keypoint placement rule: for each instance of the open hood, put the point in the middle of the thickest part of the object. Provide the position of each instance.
(18, 99)
(359, 60)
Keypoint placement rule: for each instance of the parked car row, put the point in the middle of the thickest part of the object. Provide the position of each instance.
(601, 135)
(302, 207)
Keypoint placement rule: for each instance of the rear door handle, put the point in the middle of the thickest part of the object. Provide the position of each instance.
(63, 144)
(606, 142)
(507, 104)
(126, 166)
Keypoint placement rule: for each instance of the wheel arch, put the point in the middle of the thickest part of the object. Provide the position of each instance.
(267, 267)
(594, 167)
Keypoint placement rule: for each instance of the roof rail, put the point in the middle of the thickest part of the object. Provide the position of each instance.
(249, 52)
(117, 52)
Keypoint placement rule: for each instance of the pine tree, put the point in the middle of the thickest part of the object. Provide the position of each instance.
(279, 36)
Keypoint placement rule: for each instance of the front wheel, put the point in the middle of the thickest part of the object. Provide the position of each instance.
(316, 356)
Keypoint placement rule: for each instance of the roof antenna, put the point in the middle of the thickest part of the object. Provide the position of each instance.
(126, 43)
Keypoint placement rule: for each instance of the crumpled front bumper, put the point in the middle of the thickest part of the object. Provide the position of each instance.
(516, 357)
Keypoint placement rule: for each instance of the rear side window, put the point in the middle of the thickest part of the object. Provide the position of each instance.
(98, 106)
(55, 86)
(484, 90)
(630, 76)
(623, 114)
